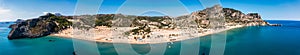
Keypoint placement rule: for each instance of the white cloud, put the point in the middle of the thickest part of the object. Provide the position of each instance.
(12, 15)
(5, 14)
(4, 11)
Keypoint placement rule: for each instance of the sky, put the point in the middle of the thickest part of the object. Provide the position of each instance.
(10, 10)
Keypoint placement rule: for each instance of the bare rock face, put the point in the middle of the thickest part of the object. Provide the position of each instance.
(185, 21)
(212, 17)
(33, 28)
(120, 20)
(216, 17)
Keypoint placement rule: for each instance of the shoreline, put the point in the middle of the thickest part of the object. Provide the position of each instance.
(111, 39)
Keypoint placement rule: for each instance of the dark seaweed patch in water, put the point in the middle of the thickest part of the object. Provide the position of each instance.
(142, 49)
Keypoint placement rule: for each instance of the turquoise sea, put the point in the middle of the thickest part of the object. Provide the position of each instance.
(255, 40)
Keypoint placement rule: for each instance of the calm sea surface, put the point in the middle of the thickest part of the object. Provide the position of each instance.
(256, 40)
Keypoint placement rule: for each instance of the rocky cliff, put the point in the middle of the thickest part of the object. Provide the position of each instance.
(218, 17)
(38, 27)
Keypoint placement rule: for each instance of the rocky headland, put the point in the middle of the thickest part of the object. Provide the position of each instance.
(136, 29)
(39, 27)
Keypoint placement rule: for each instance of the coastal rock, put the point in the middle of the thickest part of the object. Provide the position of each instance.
(42, 26)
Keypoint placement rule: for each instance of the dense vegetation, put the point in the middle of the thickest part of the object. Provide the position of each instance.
(62, 22)
(143, 29)
(104, 20)
(161, 20)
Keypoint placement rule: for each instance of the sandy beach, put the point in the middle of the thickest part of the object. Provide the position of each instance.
(116, 34)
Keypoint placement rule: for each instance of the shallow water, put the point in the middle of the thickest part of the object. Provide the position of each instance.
(256, 40)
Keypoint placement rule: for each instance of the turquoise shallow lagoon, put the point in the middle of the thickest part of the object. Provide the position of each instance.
(256, 40)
